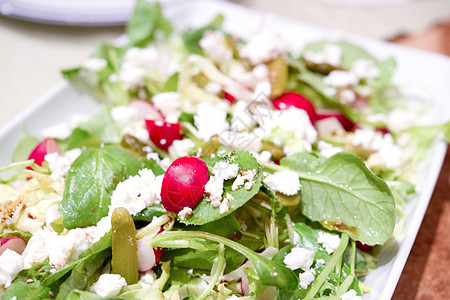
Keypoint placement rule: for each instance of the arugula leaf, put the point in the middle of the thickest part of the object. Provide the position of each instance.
(68, 74)
(16, 232)
(149, 213)
(103, 127)
(171, 84)
(91, 181)
(204, 212)
(344, 195)
(79, 138)
(24, 148)
(83, 295)
(192, 37)
(147, 19)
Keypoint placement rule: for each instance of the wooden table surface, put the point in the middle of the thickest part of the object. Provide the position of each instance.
(426, 274)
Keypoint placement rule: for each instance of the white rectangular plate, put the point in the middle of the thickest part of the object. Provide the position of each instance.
(415, 68)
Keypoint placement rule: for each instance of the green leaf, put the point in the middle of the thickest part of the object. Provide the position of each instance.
(70, 73)
(171, 84)
(91, 181)
(149, 213)
(147, 19)
(103, 127)
(192, 37)
(151, 164)
(16, 232)
(83, 295)
(204, 212)
(344, 195)
(24, 148)
(80, 138)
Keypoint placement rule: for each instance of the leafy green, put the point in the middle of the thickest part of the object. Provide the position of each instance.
(24, 148)
(344, 195)
(83, 295)
(204, 212)
(147, 19)
(103, 127)
(91, 181)
(68, 74)
(16, 232)
(192, 37)
(171, 84)
(79, 138)
(148, 213)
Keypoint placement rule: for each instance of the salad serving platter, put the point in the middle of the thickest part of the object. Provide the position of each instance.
(417, 71)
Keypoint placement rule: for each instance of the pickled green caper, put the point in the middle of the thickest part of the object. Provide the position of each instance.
(323, 68)
(133, 144)
(124, 247)
(211, 146)
(279, 71)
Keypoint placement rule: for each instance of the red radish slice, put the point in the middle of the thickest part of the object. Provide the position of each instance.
(162, 133)
(14, 243)
(146, 110)
(245, 286)
(363, 247)
(293, 99)
(229, 97)
(45, 147)
(345, 122)
(184, 183)
(148, 256)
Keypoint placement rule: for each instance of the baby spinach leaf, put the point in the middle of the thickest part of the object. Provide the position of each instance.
(344, 195)
(204, 212)
(24, 148)
(146, 20)
(192, 37)
(149, 213)
(103, 127)
(84, 295)
(91, 181)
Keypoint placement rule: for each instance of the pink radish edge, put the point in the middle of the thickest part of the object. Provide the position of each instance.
(14, 243)
(147, 255)
(245, 286)
(146, 110)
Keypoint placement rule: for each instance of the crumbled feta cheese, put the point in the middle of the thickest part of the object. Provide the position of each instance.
(64, 248)
(327, 149)
(185, 212)
(147, 279)
(251, 79)
(137, 192)
(262, 90)
(108, 285)
(11, 263)
(331, 54)
(339, 78)
(95, 64)
(138, 130)
(36, 251)
(210, 120)
(224, 206)
(347, 96)
(248, 175)
(60, 165)
(365, 69)
(306, 278)
(169, 105)
(124, 115)
(399, 119)
(329, 241)
(368, 139)
(214, 188)
(351, 295)
(237, 183)
(213, 88)
(225, 170)
(180, 147)
(264, 156)
(215, 45)
(299, 258)
(58, 131)
(285, 182)
(248, 185)
(329, 126)
(132, 77)
(320, 262)
(262, 47)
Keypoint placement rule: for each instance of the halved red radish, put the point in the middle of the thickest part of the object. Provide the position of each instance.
(345, 122)
(363, 247)
(162, 133)
(184, 183)
(229, 97)
(147, 255)
(14, 243)
(245, 286)
(146, 110)
(45, 147)
(293, 99)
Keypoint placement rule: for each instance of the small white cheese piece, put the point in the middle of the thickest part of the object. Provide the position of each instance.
(339, 78)
(169, 105)
(58, 131)
(214, 44)
(327, 149)
(95, 64)
(262, 47)
(299, 258)
(224, 206)
(124, 115)
(329, 241)
(214, 189)
(331, 54)
(365, 69)
(213, 88)
(347, 96)
(185, 212)
(285, 182)
(210, 120)
(11, 263)
(108, 285)
(60, 165)
(180, 147)
(64, 248)
(306, 278)
(225, 170)
(351, 295)
(36, 251)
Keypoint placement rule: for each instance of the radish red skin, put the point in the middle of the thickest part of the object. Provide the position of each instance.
(45, 147)
(184, 183)
(162, 133)
(147, 110)
(14, 243)
(229, 97)
(363, 247)
(289, 99)
(345, 122)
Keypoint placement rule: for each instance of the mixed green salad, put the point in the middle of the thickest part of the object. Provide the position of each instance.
(218, 168)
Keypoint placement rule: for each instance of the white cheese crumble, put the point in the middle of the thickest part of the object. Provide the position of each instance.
(351, 295)
(60, 165)
(11, 263)
(108, 285)
(262, 47)
(137, 192)
(306, 278)
(327, 149)
(224, 206)
(225, 170)
(299, 258)
(138, 130)
(365, 69)
(185, 212)
(339, 78)
(347, 96)
(331, 54)
(214, 190)
(210, 120)
(180, 147)
(320, 262)
(214, 44)
(329, 241)
(285, 182)
(213, 88)
(169, 105)
(36, 250)
(124, 115)
(95, 64)
(329, 126)
(58, 131)
(246, 175)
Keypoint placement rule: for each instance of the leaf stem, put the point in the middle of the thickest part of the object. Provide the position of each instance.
(157, 222)
(219, 269)
(353, 258)
(329, 267)
(17, 165)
